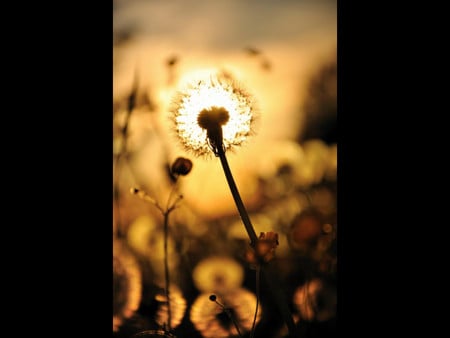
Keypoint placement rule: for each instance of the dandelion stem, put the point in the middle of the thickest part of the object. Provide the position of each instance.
(237, 198)
(273, 283)
(227, 312)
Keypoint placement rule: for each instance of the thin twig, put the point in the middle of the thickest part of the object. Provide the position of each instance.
(165, 213)
(227, 312)
(166, 267)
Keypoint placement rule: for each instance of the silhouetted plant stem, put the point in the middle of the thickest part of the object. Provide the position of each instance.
(270, 277)
(237, 198)
(213, 298)
(165, 213)
(166, 269)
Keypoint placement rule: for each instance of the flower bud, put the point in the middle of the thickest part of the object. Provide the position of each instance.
(181, 166)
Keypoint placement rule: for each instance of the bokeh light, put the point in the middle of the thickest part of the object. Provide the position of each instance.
(211, 321)
(127, 284)
(218, 274)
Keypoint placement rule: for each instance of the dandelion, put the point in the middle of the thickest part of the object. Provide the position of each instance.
(226, 317)
(178, 306)
(316, 300)
(214, 112)
(127, 281)
(213, 116)
(218, 273)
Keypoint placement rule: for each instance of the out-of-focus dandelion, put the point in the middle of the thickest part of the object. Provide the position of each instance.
(126, 284)
(316, 162)
(218, 274)
(139, 235)
(178, 306)
(306, 230)
(213, 320)
(315, 300)
(146, 238)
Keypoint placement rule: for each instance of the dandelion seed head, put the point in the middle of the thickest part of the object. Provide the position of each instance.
(210, 320)
(215, 100)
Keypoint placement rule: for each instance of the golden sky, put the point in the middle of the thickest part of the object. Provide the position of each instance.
(294, 37)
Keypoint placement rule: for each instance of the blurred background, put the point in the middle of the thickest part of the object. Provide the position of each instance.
(284, 54)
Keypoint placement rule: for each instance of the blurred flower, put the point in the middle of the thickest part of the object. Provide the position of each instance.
(305, 230)
(316, 162)
(177, 307)
(316, 300)
(324, 200)
(126, 284)
(216, 100)
(190, 221)
(211, 320)
(146, 238)
(139, 234)
(264, 249)
(279, 167)
(218, 274)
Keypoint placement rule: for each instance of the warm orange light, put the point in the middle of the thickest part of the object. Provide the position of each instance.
(218, 273)
(127, 284)
(205, 314)
(315, 300)
(178, 306)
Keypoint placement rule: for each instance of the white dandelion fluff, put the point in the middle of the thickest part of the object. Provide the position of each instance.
(214, 101)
